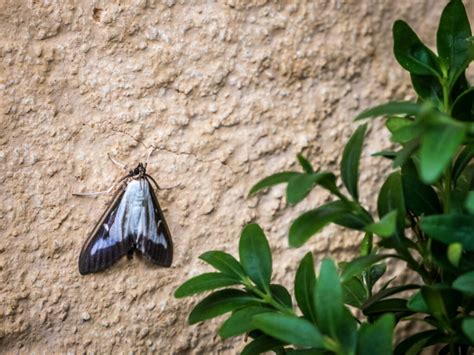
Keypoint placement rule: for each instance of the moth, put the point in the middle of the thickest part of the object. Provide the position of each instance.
(133, 222)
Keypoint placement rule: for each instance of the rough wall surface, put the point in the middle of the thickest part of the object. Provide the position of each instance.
(229, 92)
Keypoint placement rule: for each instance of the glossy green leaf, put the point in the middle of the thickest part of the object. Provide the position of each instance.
(377, 338)
(385, 227)
(438, 146)
(313, 221)
(436, 304)
(240, 321)
(360, 264)
(305, 280)
(462, 161)
(354, 292)
(411, 53)
(463, 107)
(468, 328)
(272, 180)
(261, 345)
(450, 229)
(396, 123)
(281, 295)
(205, 282)
(224, 262)
(305, 164)
(350, 161)
(255, 255)
(290, 329)
(375, 273)
(384, 293)
(221, 302)
(300, 186)
(391, 198)
(428, 88)
(389, 305)
(470, 202)
(465, 283)
(417, 303)
(416, 342)
(328, 298)
(391, 108)
(404, 154)
(452, 42)
(420, 199)
(455, 253)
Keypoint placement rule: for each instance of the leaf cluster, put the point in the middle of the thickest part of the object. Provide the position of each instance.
(424, 218)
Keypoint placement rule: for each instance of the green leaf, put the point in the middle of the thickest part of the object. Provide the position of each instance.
(465, 284)
(452, 41)
(256, 256)
(360, 264)
(438, 146)
(313, 221)
(468, 328)
(240, 321)
(420, 199)
(463, 107)
(388, 292)
(396, 123)
(391, 108)
(404, 154)
(376, 338)
(391, 199)
(411, 53)
(385, 227)
(305, 280)
(470, 202)
(281, 295)
(428, 88)
(301, 185)
(455, 253)
(272, 180)
(221, 302)
(350, 161)
(354, 292)
(462, 161)
(434, 300)
(389, 305)
(289, 329)
(305, 164)
(417, 303)
(328, 298)
(415, 343)
(261, 344)
(450, 229)
(205, 282)
(224, 262)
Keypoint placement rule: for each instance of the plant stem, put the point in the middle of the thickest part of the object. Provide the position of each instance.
(268, 298)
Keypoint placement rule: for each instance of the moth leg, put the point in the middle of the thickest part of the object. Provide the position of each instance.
(164, 188)
(118, 163)
(97, 193)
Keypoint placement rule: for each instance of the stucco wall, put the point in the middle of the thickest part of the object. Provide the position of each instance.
(229, 91)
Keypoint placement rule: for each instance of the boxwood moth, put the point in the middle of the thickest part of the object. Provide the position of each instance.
(133, 221)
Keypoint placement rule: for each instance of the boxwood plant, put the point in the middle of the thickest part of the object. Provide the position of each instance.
(425, 219)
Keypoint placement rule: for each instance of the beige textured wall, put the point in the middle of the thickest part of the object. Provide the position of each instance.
(229, 90)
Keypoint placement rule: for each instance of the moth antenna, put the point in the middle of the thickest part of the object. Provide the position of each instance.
(98, 193)
(152, 149)
(118, 163)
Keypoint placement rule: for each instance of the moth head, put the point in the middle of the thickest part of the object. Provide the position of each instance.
(139, 171)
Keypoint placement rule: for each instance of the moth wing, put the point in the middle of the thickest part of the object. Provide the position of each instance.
(155, 242)
(109, 240)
